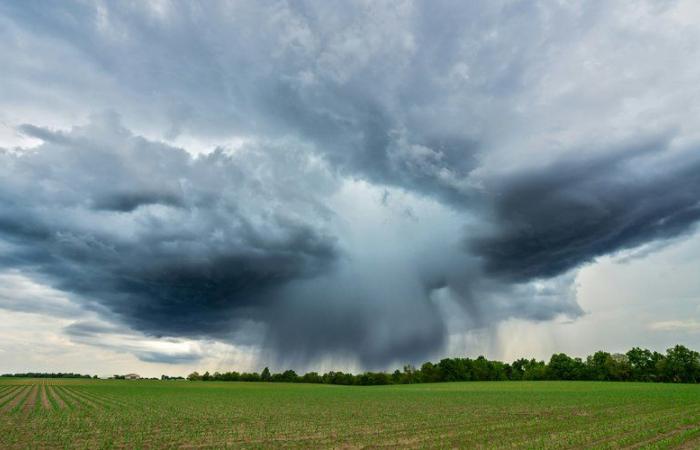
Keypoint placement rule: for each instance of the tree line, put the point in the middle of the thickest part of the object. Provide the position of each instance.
(47, 375)
(678, 365)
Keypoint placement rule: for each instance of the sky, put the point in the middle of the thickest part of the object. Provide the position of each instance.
(355, 185)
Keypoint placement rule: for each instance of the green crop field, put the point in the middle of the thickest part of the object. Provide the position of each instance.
(52, 413)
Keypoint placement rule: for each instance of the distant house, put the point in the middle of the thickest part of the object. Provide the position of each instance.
(132, 376)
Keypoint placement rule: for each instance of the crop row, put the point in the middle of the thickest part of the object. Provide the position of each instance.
(154, 414)
(28, 398)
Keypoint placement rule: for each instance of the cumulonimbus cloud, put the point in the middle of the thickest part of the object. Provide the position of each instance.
(169, 241)
(169, 244)
(534, 156)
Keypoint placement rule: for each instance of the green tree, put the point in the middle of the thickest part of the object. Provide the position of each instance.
(430, 373)
(619, 367)
(596, 366)
(194, 376)
(603, 366)
(518, 369)
(481, 369)
(288, 376)
(535, 370)
(265, 375)
(311, 377)
(563, 367)
(410, 374)
(642, 364)
(681, 365)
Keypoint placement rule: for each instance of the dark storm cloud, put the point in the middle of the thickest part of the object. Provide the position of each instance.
(557, 217)
(129, 201)
(444, 102)
(403, 308)
(399, 93)
(376, 319)
(195, 238)
(368, 98)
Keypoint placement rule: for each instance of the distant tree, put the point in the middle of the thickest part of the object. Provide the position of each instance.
(498, 371)
(481, 369)
(455, 369)
(681, 365)
(311, 377)
(518, 369)
(45, 375)
(602, 366)
(446, 370)
(643, 364)
(194, 376)
(535, 370)
(596, 366)
(619, 369)
(250, 376)
(430, 373)
(338, 378)
(167, 377)
(230, 376)
(410, 374)
(288, 376)
(564, 367)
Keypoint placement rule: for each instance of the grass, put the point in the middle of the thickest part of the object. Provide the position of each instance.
(180, 414)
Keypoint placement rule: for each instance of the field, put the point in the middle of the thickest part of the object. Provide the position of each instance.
(178, 414)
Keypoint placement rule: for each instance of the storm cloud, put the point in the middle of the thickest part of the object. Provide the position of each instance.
(169, 241)
(359, 181)
(219, 245)
(557, 217)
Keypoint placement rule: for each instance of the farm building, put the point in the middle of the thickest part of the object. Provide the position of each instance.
(132, 376)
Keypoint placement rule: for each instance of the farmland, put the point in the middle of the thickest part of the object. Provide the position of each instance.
(52, 413)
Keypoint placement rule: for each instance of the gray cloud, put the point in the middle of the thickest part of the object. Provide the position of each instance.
(403, 306)
(557, 217)
(88, 329)
(195, 237)
(157, 357)
(295, 78)
(121, 340)
(538, 130)
(20, 293)
(250, 238)
(407, 94)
